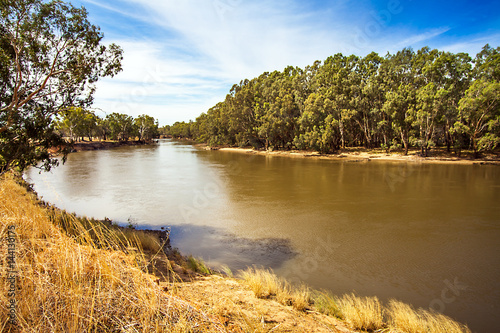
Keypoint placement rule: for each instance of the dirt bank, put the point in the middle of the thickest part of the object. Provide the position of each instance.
(365, 155)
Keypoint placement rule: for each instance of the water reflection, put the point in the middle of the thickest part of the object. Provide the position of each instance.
(219, 247)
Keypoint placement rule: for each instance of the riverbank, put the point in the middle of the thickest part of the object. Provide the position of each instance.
(102, 145)
(78, 274)
(439, 156)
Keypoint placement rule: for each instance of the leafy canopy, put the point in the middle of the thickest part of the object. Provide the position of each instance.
(50, 58)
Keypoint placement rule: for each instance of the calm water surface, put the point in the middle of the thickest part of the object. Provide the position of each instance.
(428, 235)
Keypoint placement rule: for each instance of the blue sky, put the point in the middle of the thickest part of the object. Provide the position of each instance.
(183, 56)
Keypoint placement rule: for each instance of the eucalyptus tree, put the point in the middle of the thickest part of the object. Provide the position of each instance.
(265, 109)
(370, 118)
(338, 82)
(89, 125)
(319, 127)
(214, 125)
(400, 98)
(487, 64)
(478, 118)
(240, 105)
(479, 115)
(69, 121)
(102, 129)
(424, 114)
(51, 56)
(147, 127)
(280, 111)
(121, 126)
(451, 73)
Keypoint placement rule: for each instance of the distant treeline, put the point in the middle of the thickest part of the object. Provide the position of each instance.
(77, 123)
(408, 99)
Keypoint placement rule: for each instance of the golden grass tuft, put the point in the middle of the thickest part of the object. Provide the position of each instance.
(265, 284)
(81, 283)
(439, 323)
(363, 313)
(403, 318)
(325, 303)
(301, 297)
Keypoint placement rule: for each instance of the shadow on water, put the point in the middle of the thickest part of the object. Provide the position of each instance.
(217, 247)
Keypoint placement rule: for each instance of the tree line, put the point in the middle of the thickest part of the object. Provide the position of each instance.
(409, 99)
(77, 123)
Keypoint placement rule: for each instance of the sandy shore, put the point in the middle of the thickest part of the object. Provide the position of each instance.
(361, 155)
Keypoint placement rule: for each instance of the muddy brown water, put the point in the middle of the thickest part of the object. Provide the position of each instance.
(426, 234)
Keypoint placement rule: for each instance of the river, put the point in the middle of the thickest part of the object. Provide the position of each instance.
(426, 234)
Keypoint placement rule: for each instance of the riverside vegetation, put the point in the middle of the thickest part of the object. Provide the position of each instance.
(82, 275)
(423, 99)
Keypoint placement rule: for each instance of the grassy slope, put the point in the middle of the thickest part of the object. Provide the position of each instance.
(69, 284)
(77, 275)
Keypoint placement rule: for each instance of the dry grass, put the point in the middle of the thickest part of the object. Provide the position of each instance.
(360, 313)
(364, 313)
(265, 284)
(403, 318)
(81, 283)
(301, 297)
(325, 303)
(102, 234)
(227, 271)
(262, 282)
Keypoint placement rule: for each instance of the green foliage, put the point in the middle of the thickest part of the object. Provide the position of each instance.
(76, 123)
(27, 141)
(51, 56)
(146, 127)
(120, 126)
(180, 130)
(198, 265)
(479, 114)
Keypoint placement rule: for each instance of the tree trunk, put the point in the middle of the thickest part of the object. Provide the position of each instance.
(405, 142)
(342, 135)
(447, 137)
(474, 148)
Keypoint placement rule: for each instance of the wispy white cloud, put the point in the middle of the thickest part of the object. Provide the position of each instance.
(422, 37)
(472, 46)
(189, 53)
(152, 77)
(115, 9)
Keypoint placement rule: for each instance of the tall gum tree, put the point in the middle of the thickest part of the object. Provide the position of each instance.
(51, 57)
(479, 113)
